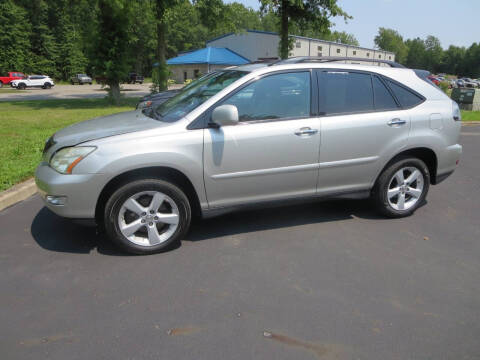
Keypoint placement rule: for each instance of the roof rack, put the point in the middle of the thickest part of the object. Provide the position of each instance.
(307, 59)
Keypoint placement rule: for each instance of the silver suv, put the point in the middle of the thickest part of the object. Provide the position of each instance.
(250, 135)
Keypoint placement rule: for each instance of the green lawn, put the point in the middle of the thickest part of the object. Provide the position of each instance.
(7, 89)
(25, 125)
(470, 115)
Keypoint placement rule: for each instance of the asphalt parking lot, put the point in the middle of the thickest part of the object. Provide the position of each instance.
(327, 280)
(71, 92)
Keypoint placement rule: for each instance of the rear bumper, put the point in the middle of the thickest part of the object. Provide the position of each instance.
(79, 193)
(448, 161)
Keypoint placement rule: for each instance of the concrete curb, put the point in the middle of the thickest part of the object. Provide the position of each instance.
(17, 193)
(470, 123)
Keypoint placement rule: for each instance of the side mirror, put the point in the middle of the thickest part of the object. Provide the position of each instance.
(224, 115)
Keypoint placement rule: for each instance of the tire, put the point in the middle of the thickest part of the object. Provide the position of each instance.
(150, 235)
(47, 85)
(72, 82)
(140, 82)
(1, 84)
(21, 86)
(413, 192)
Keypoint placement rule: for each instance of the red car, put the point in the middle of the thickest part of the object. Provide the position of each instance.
(5, 80)
(433, 79)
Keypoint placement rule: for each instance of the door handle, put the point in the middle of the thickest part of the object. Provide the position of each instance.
(305, 131)
(396, 122)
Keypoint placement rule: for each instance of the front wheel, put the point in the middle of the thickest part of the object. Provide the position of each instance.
(147, 216)
(47, 86)
(402, 187)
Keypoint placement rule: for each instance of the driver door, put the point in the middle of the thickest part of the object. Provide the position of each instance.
(273, 152)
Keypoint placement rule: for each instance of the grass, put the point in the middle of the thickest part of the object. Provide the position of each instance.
(7, 90)
(470, 115)
(26, 125)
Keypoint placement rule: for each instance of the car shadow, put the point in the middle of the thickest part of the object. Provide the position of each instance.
(55, 233)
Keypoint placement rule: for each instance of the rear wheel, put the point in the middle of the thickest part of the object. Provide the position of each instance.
(402, 187)
(147, 216)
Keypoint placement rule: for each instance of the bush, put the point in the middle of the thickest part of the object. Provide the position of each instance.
(188, 81)
(170, 82)
(444, 86)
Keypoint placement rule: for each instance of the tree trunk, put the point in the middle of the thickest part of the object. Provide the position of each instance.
(284, 30)
(162, 70)
(115, 91)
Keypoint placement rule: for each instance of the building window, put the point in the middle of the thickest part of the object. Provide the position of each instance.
(368, 54)
(389, 58)
(319, 48)
(184, 75)
(298, 44)
(319, 54)
(338, 51)
(354, 52)
(379, 56)
(196, 73)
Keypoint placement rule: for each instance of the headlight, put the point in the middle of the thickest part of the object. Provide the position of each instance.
(66, 159)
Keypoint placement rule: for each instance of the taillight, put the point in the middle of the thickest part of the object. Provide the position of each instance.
(457, 115)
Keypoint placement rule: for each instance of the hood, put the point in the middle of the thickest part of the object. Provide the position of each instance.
(104, 126)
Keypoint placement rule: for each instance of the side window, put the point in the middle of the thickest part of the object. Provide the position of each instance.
(383, 98)
(345, 92)
(404, 96)
(277, 96)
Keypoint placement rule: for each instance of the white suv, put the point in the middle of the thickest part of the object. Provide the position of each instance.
(42, 81)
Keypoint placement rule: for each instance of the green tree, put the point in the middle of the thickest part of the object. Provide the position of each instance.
(434, 53)
(416, 58)
(112, 40)
(454, 60)
(316, 13)
(391, 40)
(472, 61)
(14, 37)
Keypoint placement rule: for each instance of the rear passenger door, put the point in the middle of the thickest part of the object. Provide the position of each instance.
(362, 124)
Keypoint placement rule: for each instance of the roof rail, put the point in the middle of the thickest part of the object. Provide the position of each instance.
(307, 59)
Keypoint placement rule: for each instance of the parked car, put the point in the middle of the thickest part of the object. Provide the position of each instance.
(81, 79)
(159, 98)
(134, 78)
(41, 81)
(466, 82)
(156, 99)
(13, 75)
(254, 135)
(434, 80)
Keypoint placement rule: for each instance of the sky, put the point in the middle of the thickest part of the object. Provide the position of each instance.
(454, 22)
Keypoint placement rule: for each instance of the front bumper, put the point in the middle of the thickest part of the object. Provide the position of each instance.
(79, 192)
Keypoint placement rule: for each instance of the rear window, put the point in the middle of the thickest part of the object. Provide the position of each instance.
(345, 92)
(406, 97)
(383, 99)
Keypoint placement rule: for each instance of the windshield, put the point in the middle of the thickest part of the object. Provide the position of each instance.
(82, 75)
(196, 94)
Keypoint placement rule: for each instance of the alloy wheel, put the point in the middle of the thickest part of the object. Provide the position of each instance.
(148, 218)
(405, 188)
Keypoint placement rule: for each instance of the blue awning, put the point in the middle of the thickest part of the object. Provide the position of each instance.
(209, 55)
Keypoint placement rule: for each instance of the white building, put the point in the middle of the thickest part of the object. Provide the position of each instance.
(257, 45)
